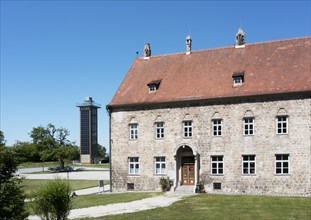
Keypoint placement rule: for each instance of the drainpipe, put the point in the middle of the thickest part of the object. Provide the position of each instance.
(110, 156)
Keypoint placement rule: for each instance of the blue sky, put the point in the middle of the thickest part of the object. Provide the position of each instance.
(56, 53)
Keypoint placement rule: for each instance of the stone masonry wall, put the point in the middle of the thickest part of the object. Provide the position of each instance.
(265, 144)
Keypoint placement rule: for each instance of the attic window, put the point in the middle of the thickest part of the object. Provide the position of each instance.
(154, 85)
(238, 78)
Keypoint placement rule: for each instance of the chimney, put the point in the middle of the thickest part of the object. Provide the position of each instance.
(240, 39)
(147, 51)
(188, 44)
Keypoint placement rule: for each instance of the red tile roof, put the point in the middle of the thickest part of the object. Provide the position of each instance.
(270, 67)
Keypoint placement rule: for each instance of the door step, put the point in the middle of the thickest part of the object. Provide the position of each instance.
(185, 189)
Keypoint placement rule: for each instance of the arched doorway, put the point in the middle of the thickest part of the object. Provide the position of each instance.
(186, 165)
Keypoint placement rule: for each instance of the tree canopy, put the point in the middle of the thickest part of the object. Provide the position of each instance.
(52, 144)
(2, 140)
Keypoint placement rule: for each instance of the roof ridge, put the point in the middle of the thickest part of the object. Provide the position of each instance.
(225, 47)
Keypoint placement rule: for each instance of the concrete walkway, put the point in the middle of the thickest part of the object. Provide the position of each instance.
(93, 190)
(81, 175)
(120, 208)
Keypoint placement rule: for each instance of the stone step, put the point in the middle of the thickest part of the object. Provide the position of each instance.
(185, 189)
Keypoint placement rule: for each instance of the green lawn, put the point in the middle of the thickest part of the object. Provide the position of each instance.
(104, 199)
(231, 207)
(56, 163)
(33, 185)
(38, 164)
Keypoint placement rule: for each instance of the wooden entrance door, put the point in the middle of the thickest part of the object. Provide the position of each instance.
(188, 174)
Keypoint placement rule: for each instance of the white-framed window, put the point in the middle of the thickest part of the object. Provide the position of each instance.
(187, 129)
(133, 131)
(160, 166)
(217, 165)
(159, 129)
(248, 126)
(237, 80)
(282, 164)
(282, 124)
(217, 127)
(152, 88)
(249, 164)
(133, 165)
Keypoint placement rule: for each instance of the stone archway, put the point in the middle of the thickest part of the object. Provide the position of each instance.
(187, 165)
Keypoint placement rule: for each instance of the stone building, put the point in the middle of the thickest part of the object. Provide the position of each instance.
(237, 119)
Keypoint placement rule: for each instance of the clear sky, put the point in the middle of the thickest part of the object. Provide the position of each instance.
(56, 53)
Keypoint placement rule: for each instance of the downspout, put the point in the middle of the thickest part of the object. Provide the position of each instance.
(110, 169)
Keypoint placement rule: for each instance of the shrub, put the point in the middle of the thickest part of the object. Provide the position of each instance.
(165, 183)
(53, 202)
(12, 205)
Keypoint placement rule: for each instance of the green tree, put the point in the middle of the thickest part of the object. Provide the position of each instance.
(101, 151)
(52, 143)
(53, 201)
(12, 205)
(26, 152)
(2, 140)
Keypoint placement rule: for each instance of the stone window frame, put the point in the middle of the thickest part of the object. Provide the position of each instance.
(133, 131)
(133, 166)
(250, 171)
(282, 124)
(248, 127)
(217, 163)
(158, 160)
(159, 130)
(187, 128)
(217, 130)
(281, 162)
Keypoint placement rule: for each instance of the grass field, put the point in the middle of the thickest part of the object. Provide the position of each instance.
(33, 185)
(55, 163)
(84, 201)
(231, 207)
(105, 199)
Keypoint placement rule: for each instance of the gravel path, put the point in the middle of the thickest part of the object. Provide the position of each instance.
(120, 208)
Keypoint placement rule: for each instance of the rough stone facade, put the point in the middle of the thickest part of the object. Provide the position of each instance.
(265, 144)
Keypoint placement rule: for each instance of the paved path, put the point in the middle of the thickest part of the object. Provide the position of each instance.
(39, 169)
(120, 208)
(80, 175)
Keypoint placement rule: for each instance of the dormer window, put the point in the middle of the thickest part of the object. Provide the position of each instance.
(154, 85)
(152, 88)
(238, 78)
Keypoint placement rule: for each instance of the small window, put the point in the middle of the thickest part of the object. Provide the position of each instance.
(133, 165)
(130, 186)
(248, 126)
(217, 127)
(282, 164)
(160, 165)
(133, 131)
(238, 78)
(217, 186)
(249, 164)
(159, 129)
(217, 165)
(282, 124)
(154, 85)
(152, 88)
(187, 129)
